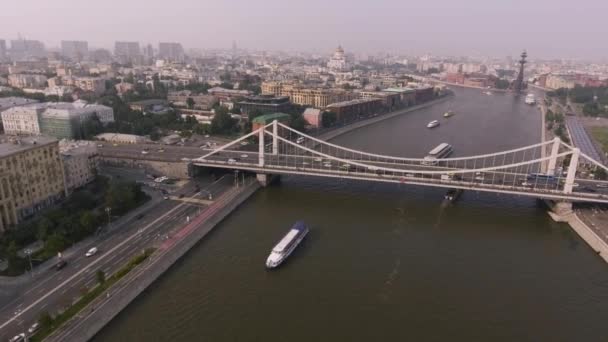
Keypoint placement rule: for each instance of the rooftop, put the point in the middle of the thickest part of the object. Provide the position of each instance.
(11, 144)
(266, 118)
(351, 102)
(8, 102)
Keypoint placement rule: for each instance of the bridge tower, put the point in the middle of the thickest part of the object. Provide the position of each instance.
(518, 86)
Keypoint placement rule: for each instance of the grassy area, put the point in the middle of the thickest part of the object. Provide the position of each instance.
(600, 134)
(49, 324)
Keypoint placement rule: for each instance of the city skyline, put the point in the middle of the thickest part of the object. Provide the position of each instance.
(470, 27)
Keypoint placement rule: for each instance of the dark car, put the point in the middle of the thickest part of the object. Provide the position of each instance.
(139, 216)
(61, 264)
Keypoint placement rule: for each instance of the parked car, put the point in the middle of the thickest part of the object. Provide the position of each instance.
(144, 152)
(91, 252)
(17, 338)
(33, 328)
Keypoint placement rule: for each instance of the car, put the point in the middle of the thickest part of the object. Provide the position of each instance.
(166, 197)
(60, 264)
(601, 186)
(91, 252)
(99, 145)
(181, 196)
(17, 338)
(300, 140)
(144, 152)
(231, 161)
(244, 143)
(33, 328)
(327, 164)
(318, 160)
(161, 150)
(479, 176)
(527, 184)
(244, 156)
(140, 216)
(206, 135)
(305, 163)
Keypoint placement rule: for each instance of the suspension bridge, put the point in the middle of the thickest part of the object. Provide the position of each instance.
(550, 170)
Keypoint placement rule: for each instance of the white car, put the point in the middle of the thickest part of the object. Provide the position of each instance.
(300, 140)
(327, 164)
(318, 160)
(91, 252)
(144, 152)
(231, 161)
(305, 163)
(33, 328)
(244, 143)
(17, 338)
(244, 156)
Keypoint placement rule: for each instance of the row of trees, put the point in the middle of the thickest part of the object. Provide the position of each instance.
(78, 217)
(593, 99)
(555, 122)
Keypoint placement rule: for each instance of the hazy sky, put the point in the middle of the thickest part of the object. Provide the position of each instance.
(546, 28)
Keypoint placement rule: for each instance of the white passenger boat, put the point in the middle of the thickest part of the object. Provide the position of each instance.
(441, 151)
(286, 246)
(448, 114)
(432, 124)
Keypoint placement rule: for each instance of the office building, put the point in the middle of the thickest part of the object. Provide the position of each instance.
(25, 49)
(23, 120)
(60, 120)
(265, 104)
(171, 51)
(201, 101)
(2, 49)
(31, 177)
(75, 49)
(127, 51)
(312, 97)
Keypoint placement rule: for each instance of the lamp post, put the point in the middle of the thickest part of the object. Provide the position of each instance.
(108, 210)
(28, 252)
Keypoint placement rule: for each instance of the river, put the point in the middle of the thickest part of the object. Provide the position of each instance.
(387, 261)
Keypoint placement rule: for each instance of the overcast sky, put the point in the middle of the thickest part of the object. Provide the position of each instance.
(546, 28)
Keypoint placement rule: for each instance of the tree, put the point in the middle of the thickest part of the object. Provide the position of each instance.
(55, 243)
(501, 84)
(298, 122)
(190, 102)
(600, 173)
(222, 122)
(101, 277)
(87, 221)
(328, 119)
(591, 108)
(46, 320)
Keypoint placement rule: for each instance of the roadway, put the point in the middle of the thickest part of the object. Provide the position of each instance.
(512, 181)
(54, 290)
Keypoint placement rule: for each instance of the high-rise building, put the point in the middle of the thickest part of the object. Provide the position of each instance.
(24, 49)
(127, 51)
(171, 51)
(31, 178)
(2, 49)
(75, 49)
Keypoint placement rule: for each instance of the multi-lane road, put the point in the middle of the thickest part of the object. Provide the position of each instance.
(54, 290)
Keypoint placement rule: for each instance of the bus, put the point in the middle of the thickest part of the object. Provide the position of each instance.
(441, 151)
(541, 177)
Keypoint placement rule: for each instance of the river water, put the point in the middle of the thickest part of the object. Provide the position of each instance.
(387, 261)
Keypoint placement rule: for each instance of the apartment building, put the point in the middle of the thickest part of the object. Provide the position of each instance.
(31, 177)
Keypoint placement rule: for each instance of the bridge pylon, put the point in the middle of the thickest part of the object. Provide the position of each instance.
(571, 171)
(554, 151)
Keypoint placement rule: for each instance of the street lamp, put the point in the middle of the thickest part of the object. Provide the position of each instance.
(28, 252)
(108, 210)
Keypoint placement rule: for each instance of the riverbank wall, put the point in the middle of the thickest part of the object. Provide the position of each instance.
(334, 133)
(101, 311)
